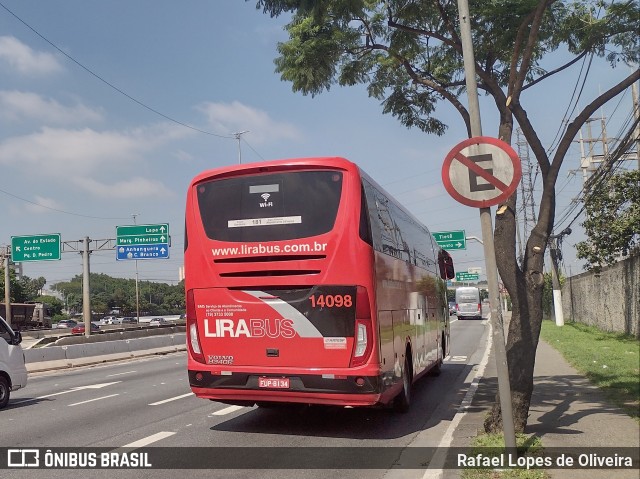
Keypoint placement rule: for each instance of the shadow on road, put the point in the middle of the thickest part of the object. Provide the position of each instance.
(359, 423)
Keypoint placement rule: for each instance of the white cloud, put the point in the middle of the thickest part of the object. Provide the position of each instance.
(67, 153)
(60, 152)
(44, 205)
(228, 118)
(183, 156)
(15, 105)
(25, 60)
(131, 188)
(107, 165)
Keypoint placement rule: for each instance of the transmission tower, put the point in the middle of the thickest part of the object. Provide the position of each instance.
(527, 200)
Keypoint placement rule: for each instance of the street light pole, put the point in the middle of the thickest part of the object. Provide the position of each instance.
(504, 387)
(237, 136)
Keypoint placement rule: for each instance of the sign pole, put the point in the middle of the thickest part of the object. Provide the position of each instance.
(86, 290)
(7, 290)
(137, 289)
(504, 387)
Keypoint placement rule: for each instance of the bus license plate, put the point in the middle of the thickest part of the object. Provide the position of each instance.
(274, 383)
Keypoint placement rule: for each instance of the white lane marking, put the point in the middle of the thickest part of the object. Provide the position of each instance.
(94, 399)
(119, 374)
(227, 410)
(164, 401)
(458, 359)
(438, 459)
(150, 439)
(79, 388)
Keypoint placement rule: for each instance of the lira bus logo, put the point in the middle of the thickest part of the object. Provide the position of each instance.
(265, 197)
(253, 328)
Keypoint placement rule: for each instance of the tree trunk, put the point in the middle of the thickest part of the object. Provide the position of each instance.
(525, 287)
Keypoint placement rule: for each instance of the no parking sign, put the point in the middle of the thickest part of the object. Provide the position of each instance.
(481, 172)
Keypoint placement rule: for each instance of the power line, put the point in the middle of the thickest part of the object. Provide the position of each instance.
(111, 85)
(59, 210)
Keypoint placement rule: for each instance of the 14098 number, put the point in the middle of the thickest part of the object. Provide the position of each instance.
(331, 301)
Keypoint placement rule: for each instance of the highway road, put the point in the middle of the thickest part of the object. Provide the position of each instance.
(148, 403)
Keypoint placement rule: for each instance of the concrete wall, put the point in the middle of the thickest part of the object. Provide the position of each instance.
(609, 300)
(62, 356)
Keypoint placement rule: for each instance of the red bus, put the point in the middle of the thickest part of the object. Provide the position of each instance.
(307, 283)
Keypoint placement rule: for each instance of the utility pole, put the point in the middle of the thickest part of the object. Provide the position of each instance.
(636, 114)
(137, 288)
(7, 285)
(84, 247)
(237, 136)
(526, 191)
(556, 256)
(504, 387)
(86, 290)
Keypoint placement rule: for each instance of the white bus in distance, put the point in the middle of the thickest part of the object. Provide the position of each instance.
(468, 303)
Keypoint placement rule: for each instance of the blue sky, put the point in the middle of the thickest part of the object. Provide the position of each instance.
(94, 157)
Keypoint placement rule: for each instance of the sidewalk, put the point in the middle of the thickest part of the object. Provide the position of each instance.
(566, 411)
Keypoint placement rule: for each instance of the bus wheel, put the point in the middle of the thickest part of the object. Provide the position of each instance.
(402, 401)
(4, 392)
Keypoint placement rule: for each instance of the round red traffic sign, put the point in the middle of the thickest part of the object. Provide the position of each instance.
(481, 171)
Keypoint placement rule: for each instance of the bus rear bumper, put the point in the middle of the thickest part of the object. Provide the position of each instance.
(243, 388)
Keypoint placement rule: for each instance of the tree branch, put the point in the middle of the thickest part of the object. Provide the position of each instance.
(513, 68)
(557, 70)
(426, 33)
(530, 47)
(449, 24)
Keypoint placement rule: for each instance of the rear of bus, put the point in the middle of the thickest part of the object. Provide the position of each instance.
(279, 284)
(468, 303)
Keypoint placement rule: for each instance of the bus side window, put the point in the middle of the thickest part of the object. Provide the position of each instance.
(445, 262)
(372, 212)
(365, 227)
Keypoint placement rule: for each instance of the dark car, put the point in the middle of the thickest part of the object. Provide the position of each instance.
(158, 322)
(79, 328)
(66, 323)
(129, 320)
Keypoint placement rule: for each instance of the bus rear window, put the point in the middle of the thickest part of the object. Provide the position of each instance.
(270, 207)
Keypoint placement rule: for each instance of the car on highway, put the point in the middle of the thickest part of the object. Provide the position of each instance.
(79, 328)
(129, 320)
(66, 323)
(13, 372)
(158, 322)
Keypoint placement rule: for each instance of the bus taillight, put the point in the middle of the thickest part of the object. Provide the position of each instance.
(192, 329)
(364, 333)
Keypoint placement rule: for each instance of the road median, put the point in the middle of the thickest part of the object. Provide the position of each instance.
(74, 355)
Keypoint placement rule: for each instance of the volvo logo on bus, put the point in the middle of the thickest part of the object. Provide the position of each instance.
(253, 328)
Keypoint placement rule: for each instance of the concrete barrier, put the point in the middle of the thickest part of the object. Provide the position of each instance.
(44, 354)
(59, 357)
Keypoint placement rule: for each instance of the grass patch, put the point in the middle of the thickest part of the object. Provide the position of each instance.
(485, 443)
(611, 361)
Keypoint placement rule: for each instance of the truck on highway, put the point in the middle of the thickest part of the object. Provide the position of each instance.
(13, 372)
(29, 315)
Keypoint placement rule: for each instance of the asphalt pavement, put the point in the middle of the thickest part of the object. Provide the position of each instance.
(566, 411)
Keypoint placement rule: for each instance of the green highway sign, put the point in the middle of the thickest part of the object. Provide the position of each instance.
(451, 240)
(142, 242)
(142, 234)
(35, 248)
(467, 276)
